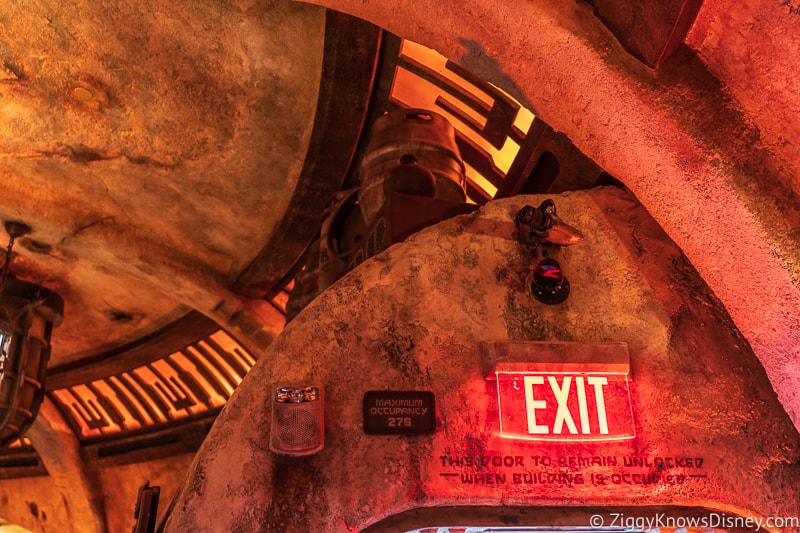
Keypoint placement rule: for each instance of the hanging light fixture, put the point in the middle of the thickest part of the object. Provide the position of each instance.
(28, 314)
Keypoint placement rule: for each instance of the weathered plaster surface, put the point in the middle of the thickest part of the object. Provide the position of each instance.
(120, 484)
(689, 153)
(68, 498)
(752, 49)
(153, 147)
(411, 318)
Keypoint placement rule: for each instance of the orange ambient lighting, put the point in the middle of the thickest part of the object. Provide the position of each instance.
(490, 125)
(185, 385)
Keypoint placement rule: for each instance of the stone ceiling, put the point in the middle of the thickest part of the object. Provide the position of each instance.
(154, 147)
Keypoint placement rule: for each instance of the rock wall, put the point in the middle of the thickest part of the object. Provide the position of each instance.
(709, 430)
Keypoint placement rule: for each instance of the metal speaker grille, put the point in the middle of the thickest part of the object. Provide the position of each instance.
(297, 426)
(375, 241)
(378, 235)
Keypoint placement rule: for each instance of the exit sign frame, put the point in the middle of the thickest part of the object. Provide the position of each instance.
(561, 391)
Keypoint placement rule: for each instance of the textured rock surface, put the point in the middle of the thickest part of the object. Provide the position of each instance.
(63, 500)
(145, 142)
(751, 49)
(411, 318)
(683, 142)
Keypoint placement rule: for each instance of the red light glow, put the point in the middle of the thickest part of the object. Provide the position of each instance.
(558, 406)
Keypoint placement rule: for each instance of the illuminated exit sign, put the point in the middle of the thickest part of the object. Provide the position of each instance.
(561, 391)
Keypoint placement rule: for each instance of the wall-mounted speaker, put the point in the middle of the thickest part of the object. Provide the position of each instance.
(298, 424)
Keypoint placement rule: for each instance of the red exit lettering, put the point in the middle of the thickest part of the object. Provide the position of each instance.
(563, 414)
(541, 406)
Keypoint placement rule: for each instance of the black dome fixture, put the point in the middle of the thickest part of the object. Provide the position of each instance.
(549, 285)
(28, 314)
(540, 227)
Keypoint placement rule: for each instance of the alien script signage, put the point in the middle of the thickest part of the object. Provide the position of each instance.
(563, 391)
(399, 413)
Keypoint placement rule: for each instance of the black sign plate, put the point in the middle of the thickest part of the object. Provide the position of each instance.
(399, 413)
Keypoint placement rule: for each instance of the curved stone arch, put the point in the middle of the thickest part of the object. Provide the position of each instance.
(412, 318)
(673, 137)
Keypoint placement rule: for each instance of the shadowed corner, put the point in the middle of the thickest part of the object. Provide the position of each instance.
(477, 61)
